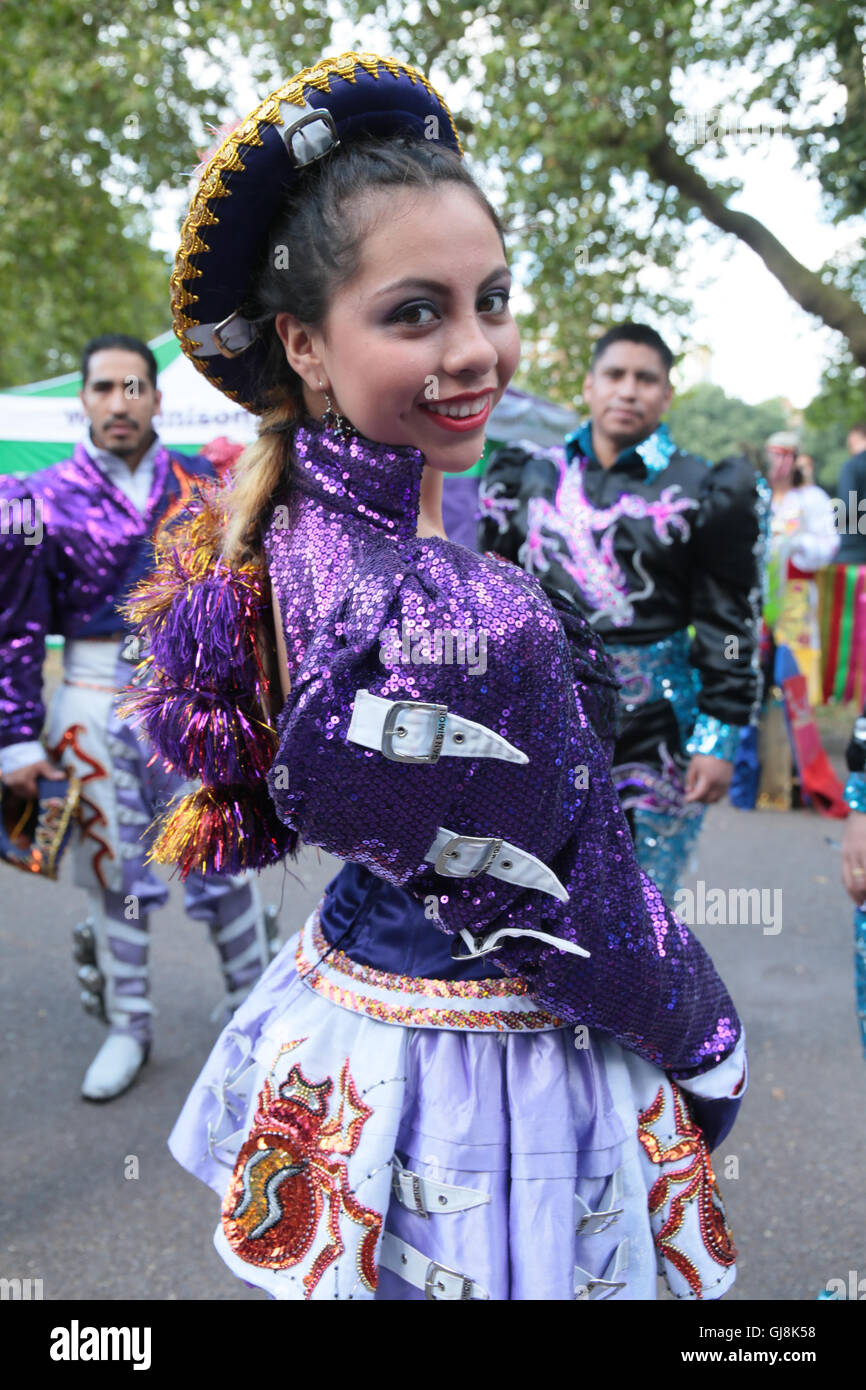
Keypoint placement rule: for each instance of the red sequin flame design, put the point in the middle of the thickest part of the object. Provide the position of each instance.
(696, 1182)
(290, 1170)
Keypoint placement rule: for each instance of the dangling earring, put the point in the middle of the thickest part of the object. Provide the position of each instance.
(333, 420)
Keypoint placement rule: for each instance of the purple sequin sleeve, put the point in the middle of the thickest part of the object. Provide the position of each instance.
(25, 611)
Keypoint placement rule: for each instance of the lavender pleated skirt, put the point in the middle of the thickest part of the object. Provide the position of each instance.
(378, 1136)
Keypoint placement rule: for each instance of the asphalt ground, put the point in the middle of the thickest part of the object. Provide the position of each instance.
(791, 1171)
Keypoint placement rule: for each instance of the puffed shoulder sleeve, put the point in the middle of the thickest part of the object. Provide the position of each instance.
(26, 611)
(202, 694)
(401, 633)
(514, 475)
(817, 540)
(727, 559)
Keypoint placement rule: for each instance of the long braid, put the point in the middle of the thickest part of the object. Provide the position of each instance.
(258, 472)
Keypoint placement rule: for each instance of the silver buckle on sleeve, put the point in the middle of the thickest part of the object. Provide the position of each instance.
(490, 848)
(392, 729)
(434, 1269)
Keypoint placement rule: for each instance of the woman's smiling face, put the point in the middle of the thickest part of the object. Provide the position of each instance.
(419, 346)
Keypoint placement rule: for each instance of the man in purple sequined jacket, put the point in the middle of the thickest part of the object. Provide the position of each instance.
(97, 513)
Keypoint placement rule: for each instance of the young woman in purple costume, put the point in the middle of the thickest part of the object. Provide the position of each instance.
(477, 1071)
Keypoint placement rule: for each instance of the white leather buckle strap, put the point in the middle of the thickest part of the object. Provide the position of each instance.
(427, 1197)
(591, 1223)
(467, 856)
(440, 1284)
(415, 731)
(482, 945)
(589, 1286)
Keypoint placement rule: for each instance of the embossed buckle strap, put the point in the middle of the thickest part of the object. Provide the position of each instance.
(592, 1223)
(592, 1287)
(416, 731)
(440, 1284)
(427, 1197)
(467, 856)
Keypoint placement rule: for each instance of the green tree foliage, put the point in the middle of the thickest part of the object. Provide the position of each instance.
(840, 403)
(591, 115)
(573, 112)
(712, 424)
(105, 107)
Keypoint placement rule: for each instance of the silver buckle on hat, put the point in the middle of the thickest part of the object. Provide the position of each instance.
(433, 1270)
(233, 336)
(310, 117)
(491, 848)
(392, 729)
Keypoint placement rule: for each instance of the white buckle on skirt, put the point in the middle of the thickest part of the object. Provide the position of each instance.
(440, 1284)
(590, 1286)
(427, 1197)
(592, 1223)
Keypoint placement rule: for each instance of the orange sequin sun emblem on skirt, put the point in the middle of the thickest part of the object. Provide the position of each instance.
(291, 1169)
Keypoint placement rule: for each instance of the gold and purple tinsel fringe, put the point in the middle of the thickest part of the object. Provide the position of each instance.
(199, 614)
(223, 830)
(203, 733)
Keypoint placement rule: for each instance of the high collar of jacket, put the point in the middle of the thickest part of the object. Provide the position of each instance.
(645, 459)
(379, 484)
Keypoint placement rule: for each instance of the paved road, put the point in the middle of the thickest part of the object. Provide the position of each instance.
(71, 1218)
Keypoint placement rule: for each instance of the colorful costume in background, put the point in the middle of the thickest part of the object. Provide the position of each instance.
(403, 1102)
(803, 538)
(97, 520)
(842, 593)
(657, 543)
(855, 796)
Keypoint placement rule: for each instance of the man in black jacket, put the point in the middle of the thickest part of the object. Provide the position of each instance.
(662, 553)
(852, 493)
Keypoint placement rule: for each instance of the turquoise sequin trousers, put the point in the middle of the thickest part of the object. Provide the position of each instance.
(658, 712)
(860, 972)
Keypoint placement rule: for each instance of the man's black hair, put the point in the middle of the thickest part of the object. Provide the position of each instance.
(635, 333)
(123, 341)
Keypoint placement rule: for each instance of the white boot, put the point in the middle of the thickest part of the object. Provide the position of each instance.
(126, 1049)
(114, 1068)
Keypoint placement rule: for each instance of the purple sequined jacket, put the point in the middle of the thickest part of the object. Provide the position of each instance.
(71, 546)
(356, 591)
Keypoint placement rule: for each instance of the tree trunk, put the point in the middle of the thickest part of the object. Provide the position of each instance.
(830, 304)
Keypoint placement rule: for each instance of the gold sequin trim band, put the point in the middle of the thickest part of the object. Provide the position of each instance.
(523, 1016)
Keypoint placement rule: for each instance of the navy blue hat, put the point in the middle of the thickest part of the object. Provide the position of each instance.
(338, 100)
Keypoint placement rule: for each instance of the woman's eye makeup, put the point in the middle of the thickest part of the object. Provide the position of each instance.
(411, 313)
(501, 296)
